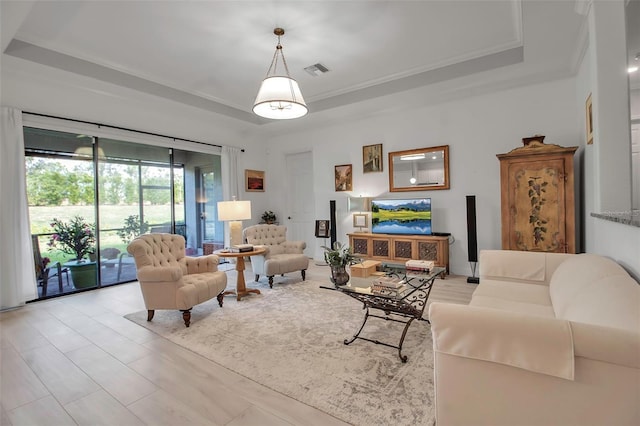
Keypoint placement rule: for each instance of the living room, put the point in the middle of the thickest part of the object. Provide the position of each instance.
(477, 115)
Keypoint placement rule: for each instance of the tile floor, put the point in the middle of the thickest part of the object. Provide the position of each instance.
(74, 360)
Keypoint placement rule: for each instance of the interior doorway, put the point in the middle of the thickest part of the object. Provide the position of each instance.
(301, 200)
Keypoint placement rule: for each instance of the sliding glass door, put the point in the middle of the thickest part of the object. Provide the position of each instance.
(202, 191)
(137, 189)
(61, 195)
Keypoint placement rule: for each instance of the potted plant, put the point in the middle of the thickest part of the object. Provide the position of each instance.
(338, 258)
(132, 228)
(76, 237)
(268, 217)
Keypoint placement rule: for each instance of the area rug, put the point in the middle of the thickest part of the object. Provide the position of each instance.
(290, 339)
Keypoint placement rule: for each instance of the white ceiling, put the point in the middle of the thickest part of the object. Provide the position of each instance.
(214, 54)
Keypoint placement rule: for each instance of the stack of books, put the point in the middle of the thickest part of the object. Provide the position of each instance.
(387, 286)
(241, 248)
(419, 265)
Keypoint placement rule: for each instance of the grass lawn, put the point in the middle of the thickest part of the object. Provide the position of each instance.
(384, 215)
(111, 217)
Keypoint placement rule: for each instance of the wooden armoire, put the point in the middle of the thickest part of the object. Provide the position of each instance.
(538, 203)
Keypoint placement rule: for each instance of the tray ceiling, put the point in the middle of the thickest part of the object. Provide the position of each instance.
(214, 54)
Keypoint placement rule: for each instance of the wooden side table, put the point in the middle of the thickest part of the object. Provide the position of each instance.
(241, 287)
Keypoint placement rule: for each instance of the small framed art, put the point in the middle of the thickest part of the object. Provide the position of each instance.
(343, 177)
(359, 220)
(372, 158)
(322, 229)
(589, 119)
(254, 180)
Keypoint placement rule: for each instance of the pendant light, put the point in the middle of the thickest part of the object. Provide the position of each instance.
(279, 97)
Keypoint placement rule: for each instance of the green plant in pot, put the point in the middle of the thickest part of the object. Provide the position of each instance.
(268, 217)
(338, 258)
(76, 237)
(132, 228)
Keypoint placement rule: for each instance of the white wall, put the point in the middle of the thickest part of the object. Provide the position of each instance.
(476, 129)
(604, 172)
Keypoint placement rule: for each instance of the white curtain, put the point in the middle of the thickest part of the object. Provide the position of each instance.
(230, 173)
(230, 180)
(17, 272)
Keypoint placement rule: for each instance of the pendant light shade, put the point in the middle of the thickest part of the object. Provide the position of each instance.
(279, 97)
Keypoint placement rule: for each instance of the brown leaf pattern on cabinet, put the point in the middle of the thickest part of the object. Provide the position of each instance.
(536, 195)
(541, 189)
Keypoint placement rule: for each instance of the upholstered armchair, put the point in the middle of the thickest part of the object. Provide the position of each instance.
(170, 280)
(281, 256)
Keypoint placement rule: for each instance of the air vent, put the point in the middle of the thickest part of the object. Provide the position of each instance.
(316, 69)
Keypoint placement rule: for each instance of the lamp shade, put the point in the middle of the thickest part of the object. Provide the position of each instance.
(359, 204)
(234, 210)
(280, 98)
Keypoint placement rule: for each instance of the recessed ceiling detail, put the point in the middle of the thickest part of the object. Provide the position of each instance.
(211, 55)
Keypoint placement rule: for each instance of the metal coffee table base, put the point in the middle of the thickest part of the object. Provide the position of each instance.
(368, 314)
(409, 304)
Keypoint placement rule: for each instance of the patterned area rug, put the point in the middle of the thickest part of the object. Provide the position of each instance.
(290, 339)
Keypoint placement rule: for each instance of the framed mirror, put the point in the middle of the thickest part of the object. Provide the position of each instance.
(421, 169)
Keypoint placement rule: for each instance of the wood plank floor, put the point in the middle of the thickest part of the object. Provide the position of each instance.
(75, 360)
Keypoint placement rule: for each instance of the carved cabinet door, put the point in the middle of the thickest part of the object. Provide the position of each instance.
(536, 206)
(538, 212)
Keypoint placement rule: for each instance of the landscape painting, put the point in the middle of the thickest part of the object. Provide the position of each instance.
(408, 216)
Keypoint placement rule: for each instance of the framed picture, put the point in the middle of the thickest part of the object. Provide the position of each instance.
(589, 115)
(344, 177)
(359, 220)
(322, 229)
(254, 180)
(372, 158)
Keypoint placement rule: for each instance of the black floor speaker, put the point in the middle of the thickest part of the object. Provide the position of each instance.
(472, 238)
(332, 225)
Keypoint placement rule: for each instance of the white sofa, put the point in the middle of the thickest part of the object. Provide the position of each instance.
(548, 339)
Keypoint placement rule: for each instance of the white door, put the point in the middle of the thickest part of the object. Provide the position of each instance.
(301, 202)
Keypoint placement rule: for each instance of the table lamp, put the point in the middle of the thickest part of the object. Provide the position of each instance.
(361, 205)
(234, 212)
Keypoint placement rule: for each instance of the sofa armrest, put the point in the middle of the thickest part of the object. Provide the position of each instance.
(159, 273)
(541, 345)
(200, 264)
(606, 344)
(294, 246)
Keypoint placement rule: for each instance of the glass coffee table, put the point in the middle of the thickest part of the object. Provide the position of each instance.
(403, 305)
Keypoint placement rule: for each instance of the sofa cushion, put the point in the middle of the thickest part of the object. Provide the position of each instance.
(514, 292)
(511, 306)
(283, 263)
(513, 265)
(594, 289)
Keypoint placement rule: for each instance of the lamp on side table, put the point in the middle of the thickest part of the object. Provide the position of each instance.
(234, 212)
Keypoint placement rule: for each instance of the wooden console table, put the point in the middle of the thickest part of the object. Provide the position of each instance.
(400, 248)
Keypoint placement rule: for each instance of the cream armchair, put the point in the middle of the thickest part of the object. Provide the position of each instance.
(281, 256)
(170, 280)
